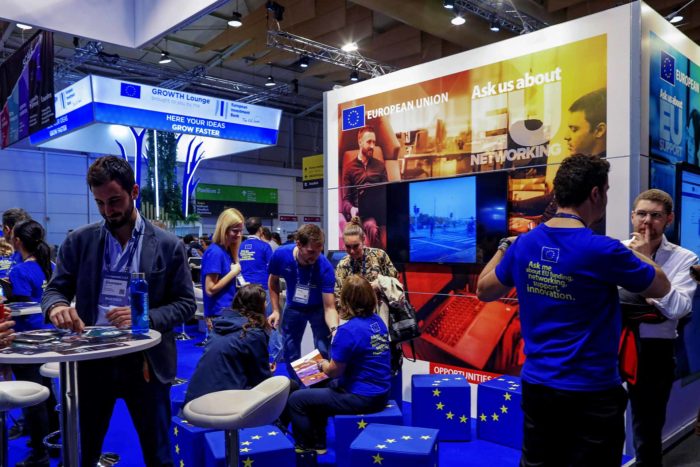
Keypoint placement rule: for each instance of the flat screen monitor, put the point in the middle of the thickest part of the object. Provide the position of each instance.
(334, 256)
(688, 206)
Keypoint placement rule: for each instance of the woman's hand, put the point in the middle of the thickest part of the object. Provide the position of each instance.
(235, 268)
(321, 365)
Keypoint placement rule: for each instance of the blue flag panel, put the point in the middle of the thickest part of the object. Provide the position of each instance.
(395, 446)
(499, 415)
(442, 402)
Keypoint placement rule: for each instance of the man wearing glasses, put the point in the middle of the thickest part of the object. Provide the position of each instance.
(653, 212)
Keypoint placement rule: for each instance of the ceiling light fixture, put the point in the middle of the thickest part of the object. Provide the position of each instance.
(494, 26)
(349, 47)
(23, 27)
(354, 76)
(235, 20)
(270, 80)
(676, 19)
(304, 61)
(164, 58)
(449, 4)
(458, 20)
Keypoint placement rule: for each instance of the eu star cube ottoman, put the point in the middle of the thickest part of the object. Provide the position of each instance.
(347, 427)
(188, 442)
(442, 402)
(264, 446)
(395, 446)
(499, 415)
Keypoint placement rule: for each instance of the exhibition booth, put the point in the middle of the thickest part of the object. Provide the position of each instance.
(470, 145)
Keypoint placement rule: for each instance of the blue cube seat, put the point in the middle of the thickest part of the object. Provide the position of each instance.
(442, 402)
(499, 413)
(187, 442)
(264, 446)
(347, 427)
(395, 446)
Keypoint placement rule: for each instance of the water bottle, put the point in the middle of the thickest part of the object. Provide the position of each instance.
(139, 303)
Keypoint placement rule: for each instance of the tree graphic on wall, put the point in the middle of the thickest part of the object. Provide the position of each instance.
(168, 187)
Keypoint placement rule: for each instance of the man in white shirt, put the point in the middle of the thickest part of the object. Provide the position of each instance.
(652, 213)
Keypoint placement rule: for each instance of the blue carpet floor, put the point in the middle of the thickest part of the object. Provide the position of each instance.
(122, 439)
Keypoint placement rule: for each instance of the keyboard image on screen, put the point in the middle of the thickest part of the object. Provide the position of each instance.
(467, 328)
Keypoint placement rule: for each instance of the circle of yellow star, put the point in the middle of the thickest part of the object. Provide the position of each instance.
(377, 459)
(463, 419)
(494, 416)
(361, 424)
(504, 409)
(436, 392)
(248, 462)
(439, 405)
(506, 396)
(482, 417)
(449, 415)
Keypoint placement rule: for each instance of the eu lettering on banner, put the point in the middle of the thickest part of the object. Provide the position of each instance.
(668, 68)
(130, 90)
(354, 117)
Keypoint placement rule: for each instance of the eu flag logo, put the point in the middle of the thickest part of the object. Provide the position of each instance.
(668, 68)
(550, 254)
(131, 90)
(354, 117)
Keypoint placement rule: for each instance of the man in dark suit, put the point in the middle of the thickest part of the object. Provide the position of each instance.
(124, 243)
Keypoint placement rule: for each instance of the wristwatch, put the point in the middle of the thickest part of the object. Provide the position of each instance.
(503, 244)
(54, 305)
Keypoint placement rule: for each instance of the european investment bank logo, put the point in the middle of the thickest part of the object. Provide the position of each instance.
(668, 68)
(130, 90)
(354, 117)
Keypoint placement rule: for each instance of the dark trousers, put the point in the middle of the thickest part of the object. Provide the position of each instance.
(293, 326)
(648, 398)
(40, 419)
(572, 428)
(309, 410)
(100, 384)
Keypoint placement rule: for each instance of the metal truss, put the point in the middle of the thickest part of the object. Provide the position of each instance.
(184, 79)
(503, 13)
(326, 53)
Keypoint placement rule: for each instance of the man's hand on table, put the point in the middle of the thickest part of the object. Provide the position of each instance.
(7, 334)
(66, 317)
(120, 316)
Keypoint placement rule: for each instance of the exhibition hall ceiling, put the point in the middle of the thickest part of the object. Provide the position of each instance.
(210, 57)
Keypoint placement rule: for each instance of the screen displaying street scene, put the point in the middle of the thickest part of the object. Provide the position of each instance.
(443, 220)
(690, 211)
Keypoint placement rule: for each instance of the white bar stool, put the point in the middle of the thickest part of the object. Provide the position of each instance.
(236, 409)
(16, 395)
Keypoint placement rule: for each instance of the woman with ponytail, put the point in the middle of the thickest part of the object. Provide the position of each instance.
(236, 356)
(28, 280)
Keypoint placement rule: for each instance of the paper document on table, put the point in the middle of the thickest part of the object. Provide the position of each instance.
(307, 370)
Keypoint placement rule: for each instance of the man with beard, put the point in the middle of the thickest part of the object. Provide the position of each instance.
(652, 213)
(106, 253)
(363, 171)
(566, 278)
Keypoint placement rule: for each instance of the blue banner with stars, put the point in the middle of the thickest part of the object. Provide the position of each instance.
(499, 415)
(354, 117)
(442, 402)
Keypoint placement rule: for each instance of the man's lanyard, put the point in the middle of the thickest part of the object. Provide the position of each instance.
(126, 259)
(311, 271)
(566, 215)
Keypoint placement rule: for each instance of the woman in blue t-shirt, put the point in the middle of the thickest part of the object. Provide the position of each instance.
(220, 264)
(28, 280)
(360, 360)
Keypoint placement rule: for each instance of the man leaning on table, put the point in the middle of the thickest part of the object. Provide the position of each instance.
(123, 243)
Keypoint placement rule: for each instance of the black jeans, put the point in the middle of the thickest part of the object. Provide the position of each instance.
(648, 398)
(572, 428)
(40, 419)
(309, 410)
(100, 384)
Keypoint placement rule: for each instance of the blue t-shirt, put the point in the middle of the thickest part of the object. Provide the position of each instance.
(319, 277)
(363, 345)
(28, 280)
(254, 256)
(217, 261)
(570, 315)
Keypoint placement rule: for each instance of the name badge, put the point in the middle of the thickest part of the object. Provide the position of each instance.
(115, 289)
(301, 294)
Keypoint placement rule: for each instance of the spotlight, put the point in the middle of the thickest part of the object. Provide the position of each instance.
(164, 58)
(270, 81)
(674, 20)
(354, 76)
(458, 20)
(494, 26)
(449, 4)
(304, 61)
(23, 27)
(349, 47)
(235, 20)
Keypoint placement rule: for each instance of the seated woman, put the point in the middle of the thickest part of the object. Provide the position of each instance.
(359, 359)
(236, 356)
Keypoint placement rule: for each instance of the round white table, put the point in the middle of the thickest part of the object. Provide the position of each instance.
(70, 420)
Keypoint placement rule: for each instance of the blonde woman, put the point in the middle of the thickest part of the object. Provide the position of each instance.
(220, 264)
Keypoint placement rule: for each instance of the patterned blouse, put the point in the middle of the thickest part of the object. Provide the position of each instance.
(374, 262)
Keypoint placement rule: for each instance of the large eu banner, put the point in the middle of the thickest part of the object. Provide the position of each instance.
(26, 89)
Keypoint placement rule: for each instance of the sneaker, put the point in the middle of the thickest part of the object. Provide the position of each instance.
(17, 431)
(35, 459)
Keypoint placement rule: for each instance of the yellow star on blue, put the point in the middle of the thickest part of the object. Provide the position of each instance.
(377, 459)
(175, 430)
(248, 462)
(506, 396)
(425, 437)
(439, 405)
(436, 392)
(390, 440)
(463, 419)
(381, 446)
(182, 463)
(177, 449)
(406, 437)
(449, 415)
(245, 449)
(504, 409)
(246, 443)
(361, 424)
(483, 417)
(256, 437)
(494, 416)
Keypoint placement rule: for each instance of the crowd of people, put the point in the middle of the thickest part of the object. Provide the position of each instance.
(259, 296)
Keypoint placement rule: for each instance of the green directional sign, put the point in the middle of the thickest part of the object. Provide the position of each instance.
(245, 194)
